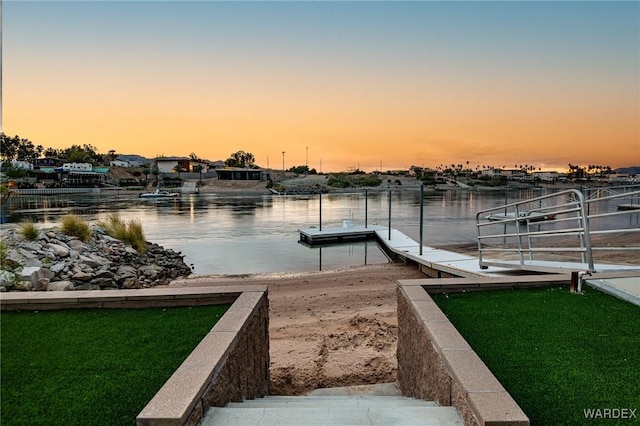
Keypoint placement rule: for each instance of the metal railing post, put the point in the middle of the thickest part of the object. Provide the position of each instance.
(421, 214)
(586, 230)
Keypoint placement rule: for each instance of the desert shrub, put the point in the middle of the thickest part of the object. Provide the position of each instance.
(28, 230)
(75, 226)
(369, 180)
(135, 236)
(130, 232)
(114, 226)
(339, 180)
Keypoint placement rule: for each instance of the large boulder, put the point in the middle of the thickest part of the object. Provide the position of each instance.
(126, 271)
(13, 259)
(151, 272)
(8, 279)
(60, 286)
(34, 273)
(58, 250)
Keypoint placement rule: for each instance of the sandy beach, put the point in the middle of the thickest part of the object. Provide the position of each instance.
(339, 328)
(333, 328)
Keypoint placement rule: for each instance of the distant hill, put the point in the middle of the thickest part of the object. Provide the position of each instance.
(134, 159)
(632, 170)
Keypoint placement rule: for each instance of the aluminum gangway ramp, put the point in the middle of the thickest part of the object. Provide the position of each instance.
(562, 232)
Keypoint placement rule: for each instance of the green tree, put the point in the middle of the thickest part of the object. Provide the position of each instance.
(155, 171)
(13, 172)
(53, 153)
(146, 170)
(300, 170)
(17, 148)
(240, 159)
(198, 169)
(82, 154)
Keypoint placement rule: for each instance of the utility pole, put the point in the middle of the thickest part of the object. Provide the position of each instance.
(283, 161)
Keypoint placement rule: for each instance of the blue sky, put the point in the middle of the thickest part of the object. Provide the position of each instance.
(447, 80)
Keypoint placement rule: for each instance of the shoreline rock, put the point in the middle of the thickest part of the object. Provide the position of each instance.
(55, 261)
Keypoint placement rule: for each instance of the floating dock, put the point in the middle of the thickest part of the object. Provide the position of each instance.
(438, 263)
(348, 232)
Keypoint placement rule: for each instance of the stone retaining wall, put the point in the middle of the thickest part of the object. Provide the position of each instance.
(231, 363)
(436, 363)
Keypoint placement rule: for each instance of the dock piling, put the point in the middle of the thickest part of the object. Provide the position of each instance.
(366, 202)
(389, 215)
(320, 209)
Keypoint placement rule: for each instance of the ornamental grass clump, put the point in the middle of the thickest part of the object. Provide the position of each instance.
(130, 232)
(135, 236)
(28, 230)
(75, 226)
(114, 226)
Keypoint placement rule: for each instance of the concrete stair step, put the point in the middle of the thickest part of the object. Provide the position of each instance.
(333, 401)
(381, 389)
(424, 416)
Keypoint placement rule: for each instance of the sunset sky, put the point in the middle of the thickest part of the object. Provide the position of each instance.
(353, 84)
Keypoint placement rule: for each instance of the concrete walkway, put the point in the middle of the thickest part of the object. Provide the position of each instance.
(623, 285)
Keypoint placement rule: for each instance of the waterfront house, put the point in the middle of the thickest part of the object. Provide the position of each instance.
(119, 163)
(169, 164)
(238, 173)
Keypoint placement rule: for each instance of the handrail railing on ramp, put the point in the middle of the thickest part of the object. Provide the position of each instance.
(558, 227)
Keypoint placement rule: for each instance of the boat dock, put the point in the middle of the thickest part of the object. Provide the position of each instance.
(434, 262)
(348, 232)
(508, 249)
(443, 263)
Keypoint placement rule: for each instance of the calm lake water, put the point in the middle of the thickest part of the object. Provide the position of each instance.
(221, 234)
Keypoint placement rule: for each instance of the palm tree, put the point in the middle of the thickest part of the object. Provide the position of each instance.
(198, 169)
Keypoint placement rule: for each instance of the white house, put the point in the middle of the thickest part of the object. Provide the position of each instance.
(169, 164)
(119, 163)
(24, 165)
(77, 167)
(548, 176)
(492, 172)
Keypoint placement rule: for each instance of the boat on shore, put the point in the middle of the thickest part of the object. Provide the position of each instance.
(522, 216)
(158, 193)
(623, 207)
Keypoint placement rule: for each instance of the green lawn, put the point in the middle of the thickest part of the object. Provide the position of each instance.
(93, 367)
(557, 353)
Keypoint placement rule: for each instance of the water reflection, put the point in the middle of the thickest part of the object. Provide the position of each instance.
(233, 234)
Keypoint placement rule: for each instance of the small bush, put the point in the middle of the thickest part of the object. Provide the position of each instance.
(135, 236)
(75, 226)
(339, 180)
(369, 180)
(4, 248)
(28, 230)
(130, 232)
(114, 226)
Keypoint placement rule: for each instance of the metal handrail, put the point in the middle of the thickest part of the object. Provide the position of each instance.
(565, 214)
